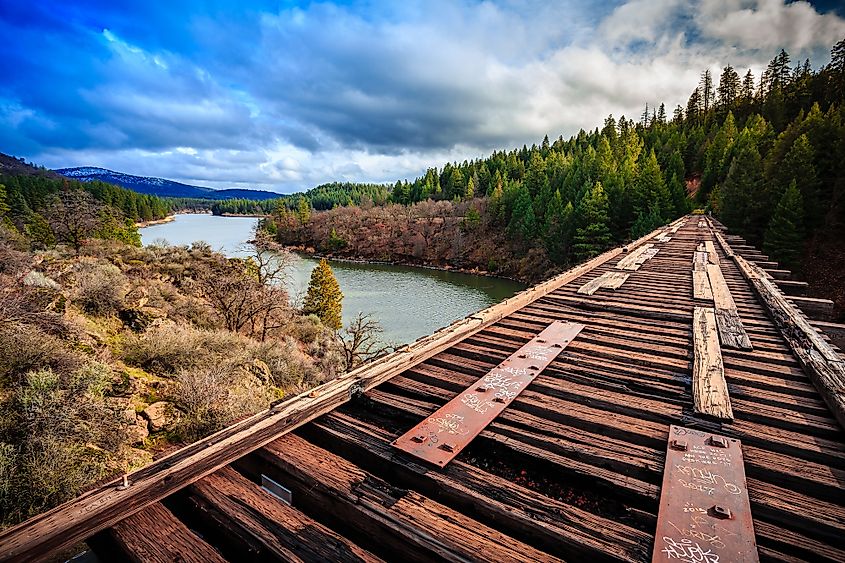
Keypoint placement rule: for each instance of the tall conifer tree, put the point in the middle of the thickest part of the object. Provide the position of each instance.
(785, 235)
(324, 296)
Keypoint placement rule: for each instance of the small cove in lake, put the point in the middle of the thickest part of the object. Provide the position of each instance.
(409, 302)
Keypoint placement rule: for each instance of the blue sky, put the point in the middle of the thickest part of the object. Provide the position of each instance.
(286, 95)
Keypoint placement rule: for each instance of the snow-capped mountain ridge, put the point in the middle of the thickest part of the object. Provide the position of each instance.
(159, 186)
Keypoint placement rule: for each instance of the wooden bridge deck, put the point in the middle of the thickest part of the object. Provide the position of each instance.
(572, 468)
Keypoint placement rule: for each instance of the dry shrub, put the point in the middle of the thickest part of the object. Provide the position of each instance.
(100, 287)
(211, 397)
(24, 348)
(169, 348)
(57, 436)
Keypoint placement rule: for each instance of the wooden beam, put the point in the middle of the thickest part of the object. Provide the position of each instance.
(813, 307)
(252, 521)
(637, 257)
(609, 280)
(153, 535)
(790, 287)
(399, 521)
(731, 331)
(823, 365)
(712, 257)
(546, 522)
(105, 505)
(701, 286)
(709, 389)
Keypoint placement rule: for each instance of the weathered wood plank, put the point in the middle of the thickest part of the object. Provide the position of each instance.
(709, 389)
(701, 286)
(154, 535)
(824, 366)
(401, 521)
(722, 297)
(257, 523)
(725, 247)
(712, 256)
(548, 523)
(637, 257)
(731, 330)
(732, 333)
(104, 506)
(813, 307)
(609, 280)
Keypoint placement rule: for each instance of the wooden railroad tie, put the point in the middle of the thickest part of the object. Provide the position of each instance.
(732, 333)
(609, 280)
(700, 281)
(444, 434)
(709, 389)
(637, 257)
(705, 514)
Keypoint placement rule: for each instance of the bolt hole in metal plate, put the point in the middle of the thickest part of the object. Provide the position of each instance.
(704, 514)
(444, 434)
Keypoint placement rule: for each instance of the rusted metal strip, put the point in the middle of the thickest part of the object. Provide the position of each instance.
(704, 513)
(444, 434)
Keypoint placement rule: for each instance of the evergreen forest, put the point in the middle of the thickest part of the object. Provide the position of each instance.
(762, 153)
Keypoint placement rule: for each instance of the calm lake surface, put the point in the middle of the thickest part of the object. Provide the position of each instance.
(408, 302)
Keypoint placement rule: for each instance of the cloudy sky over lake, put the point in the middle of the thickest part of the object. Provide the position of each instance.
(287, 95)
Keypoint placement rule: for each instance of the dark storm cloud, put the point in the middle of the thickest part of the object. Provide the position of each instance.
(228, 94)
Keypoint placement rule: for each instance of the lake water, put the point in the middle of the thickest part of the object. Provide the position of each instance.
(408, 302)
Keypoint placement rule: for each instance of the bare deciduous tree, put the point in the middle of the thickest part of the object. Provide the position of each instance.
(361, 341)
(73, 216)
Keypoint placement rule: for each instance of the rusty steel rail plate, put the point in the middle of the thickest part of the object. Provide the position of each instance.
(704, 511)
(444, 434)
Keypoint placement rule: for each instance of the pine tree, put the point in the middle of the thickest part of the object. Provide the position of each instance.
(743, 203)
(729, 88)
(523, 223)
(4, 206)
(797, 166)
(706, 89)
(646, 222)
(324, 297)
(557, 235)
(785, 235)
(303, 210)
(650, 189)
(593, 235)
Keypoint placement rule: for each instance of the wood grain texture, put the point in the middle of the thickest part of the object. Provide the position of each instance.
(820, 360)
(709, 389)
(155, 535)
(637, 257)
(712, 257)
(403, 520)
(257, 523)
(732, 332)
(701, 285)
(608, 280)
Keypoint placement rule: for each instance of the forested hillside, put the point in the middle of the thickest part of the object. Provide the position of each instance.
(48, 209)
(324, 196)
(763, 153)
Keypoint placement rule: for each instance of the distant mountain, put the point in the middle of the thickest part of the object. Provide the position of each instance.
(160, 186)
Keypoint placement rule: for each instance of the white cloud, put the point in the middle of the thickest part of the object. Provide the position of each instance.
(304, 96)
(769, 24)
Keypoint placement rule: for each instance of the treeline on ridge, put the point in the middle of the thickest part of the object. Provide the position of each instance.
(46, 209)
(764, 155)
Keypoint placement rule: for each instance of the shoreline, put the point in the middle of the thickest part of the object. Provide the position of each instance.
(168, 219)
(311, 253)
